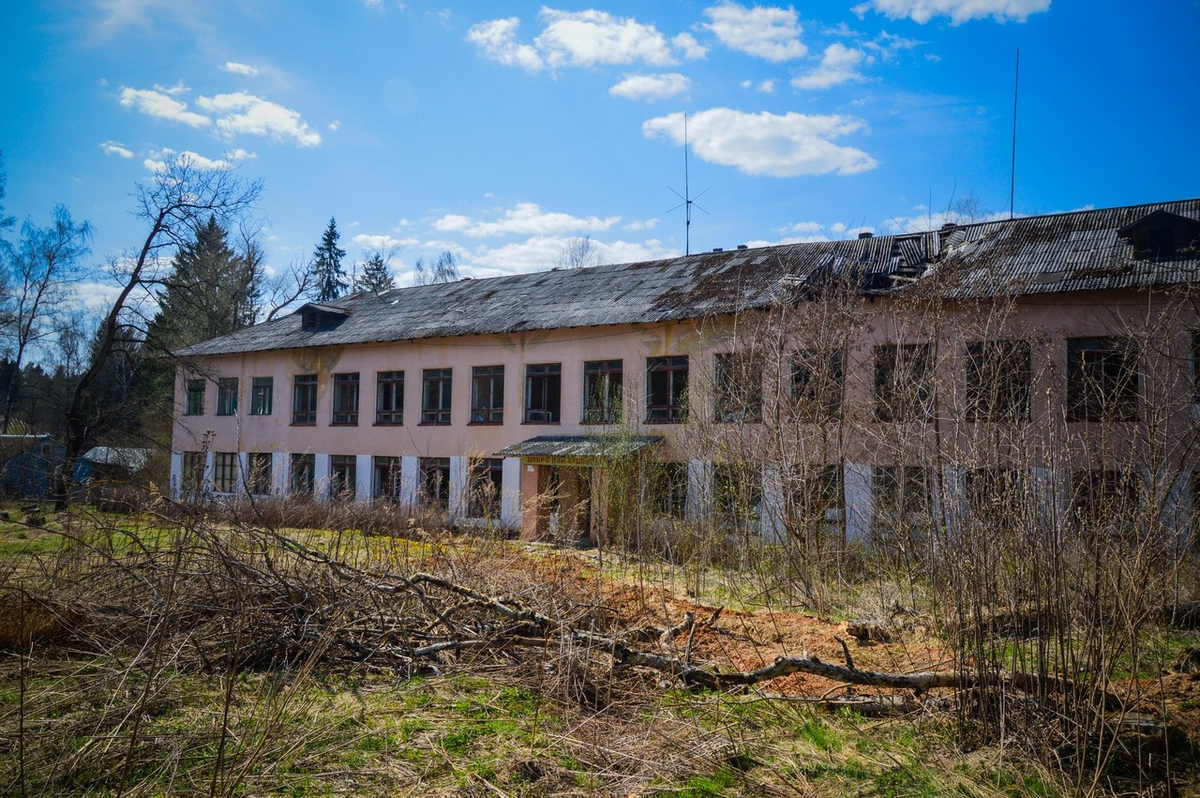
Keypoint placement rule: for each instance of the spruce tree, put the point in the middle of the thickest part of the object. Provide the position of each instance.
(331, 280)
(375, 276)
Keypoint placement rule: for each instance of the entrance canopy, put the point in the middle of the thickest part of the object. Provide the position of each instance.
(579, 448)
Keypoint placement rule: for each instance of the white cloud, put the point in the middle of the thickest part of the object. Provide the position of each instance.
(581, 39)
(787, 145)
(651, 87)
(587, 38)
(241, 112)
(497, 40)
(241, 155)
(160, 159)
(539, 253)
(525, 219)
(162, 106)
(687, 45)
(959, 11)
(382, 243)
(334, 125)
(839, 64)
(239, 69)
(644, 224)
(116, 148)
(764, 32)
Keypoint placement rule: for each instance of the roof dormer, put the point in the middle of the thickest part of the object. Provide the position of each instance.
(1161, 234)
(321, 317)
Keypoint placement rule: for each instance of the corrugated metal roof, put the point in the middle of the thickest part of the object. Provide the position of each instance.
(1078, 251)
(580, 447)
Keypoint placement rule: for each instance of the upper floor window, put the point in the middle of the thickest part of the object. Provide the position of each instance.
(227, 396)
(435, 396)
(903, 382)
(304, 399)
(487, 394)
(543, 393)
(262, 395)
(737, 384)
(666, 389)
(818, 384)
(997, 381)
(602, 391)
(1102, 379)
(193, 398)
(389, 397)
(345, 398)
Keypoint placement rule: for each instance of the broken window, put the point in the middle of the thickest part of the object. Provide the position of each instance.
(345, 399)
(435, 396)
(343, 476)
(304, 474)
(386, 484)
(487, 395)
(602, 391)
(818, 384)
(193, 472)
(487, 480)
(258, 481)
(193, 401)
(262, 394)
(903, 382)
(1102, 379)
(389, 398)
(666, 389)
(225, 472)
(543, 393)
(903, 499)
(668, 486)
(737, 385)
(227, 396)
(737, 495)
(435, 482)
(304, 399)
(997, 381)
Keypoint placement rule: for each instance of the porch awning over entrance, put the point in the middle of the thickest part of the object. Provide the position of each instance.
(579, 447)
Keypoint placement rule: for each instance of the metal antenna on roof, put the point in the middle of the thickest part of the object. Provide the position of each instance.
(686, 196)
(1012, 179)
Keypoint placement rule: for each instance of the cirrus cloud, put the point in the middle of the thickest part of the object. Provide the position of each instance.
(776, 145)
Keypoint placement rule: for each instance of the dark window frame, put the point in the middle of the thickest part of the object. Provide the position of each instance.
(346, 394)
(225, 472)
(435, 482)
(669, 488)
(666, 389)
(387, 478)
(227, 396)
(389, 398)
(437, 387)
(487, 395)
(904, 376)
(543, 393)
(1102, 379)
(259, 474)
(737, 495)
(603, 391)
(193, 397)
(191, 480)
(737, 388)
(343, 476)
(304, 400)
(998, 381)
(486, 479)
(262, 395)
(818, 384)
(302, 474)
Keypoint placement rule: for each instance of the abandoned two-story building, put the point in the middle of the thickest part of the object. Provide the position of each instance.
(860, 383)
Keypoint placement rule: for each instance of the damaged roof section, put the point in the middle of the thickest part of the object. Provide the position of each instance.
(1137, 246)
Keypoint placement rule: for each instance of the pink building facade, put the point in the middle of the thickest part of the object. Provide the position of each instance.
(906, 373)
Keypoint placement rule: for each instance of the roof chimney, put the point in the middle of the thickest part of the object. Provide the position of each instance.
(718, 249)
(742, 246)
(866, 234)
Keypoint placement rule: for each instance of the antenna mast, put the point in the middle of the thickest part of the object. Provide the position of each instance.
(1012, 179)
(686, 196)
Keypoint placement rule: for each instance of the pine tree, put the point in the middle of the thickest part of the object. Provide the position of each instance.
(331, 280)
(211, 290)
(375, 276)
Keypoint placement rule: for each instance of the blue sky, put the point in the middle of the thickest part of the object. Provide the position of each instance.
(501, 130)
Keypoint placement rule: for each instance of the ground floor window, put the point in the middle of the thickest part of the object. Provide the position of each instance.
(343, 476)
(258, 481)
(387, 478)
(225, 466)
(737, 495)
(487, 479)
(193, 472)
(435, 482)
(304, 474)
(668, 484)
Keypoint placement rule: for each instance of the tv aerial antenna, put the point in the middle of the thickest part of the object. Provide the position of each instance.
(686, 196)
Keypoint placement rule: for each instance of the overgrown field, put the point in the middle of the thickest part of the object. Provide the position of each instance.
(182, 651)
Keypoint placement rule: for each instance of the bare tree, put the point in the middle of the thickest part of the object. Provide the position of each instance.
(443, 270)
(577, 253)
(43, 264)
(178, 199)
(286, 287)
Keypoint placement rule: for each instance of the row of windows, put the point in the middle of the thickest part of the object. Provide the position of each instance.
(1102, 384)
(486, 475)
